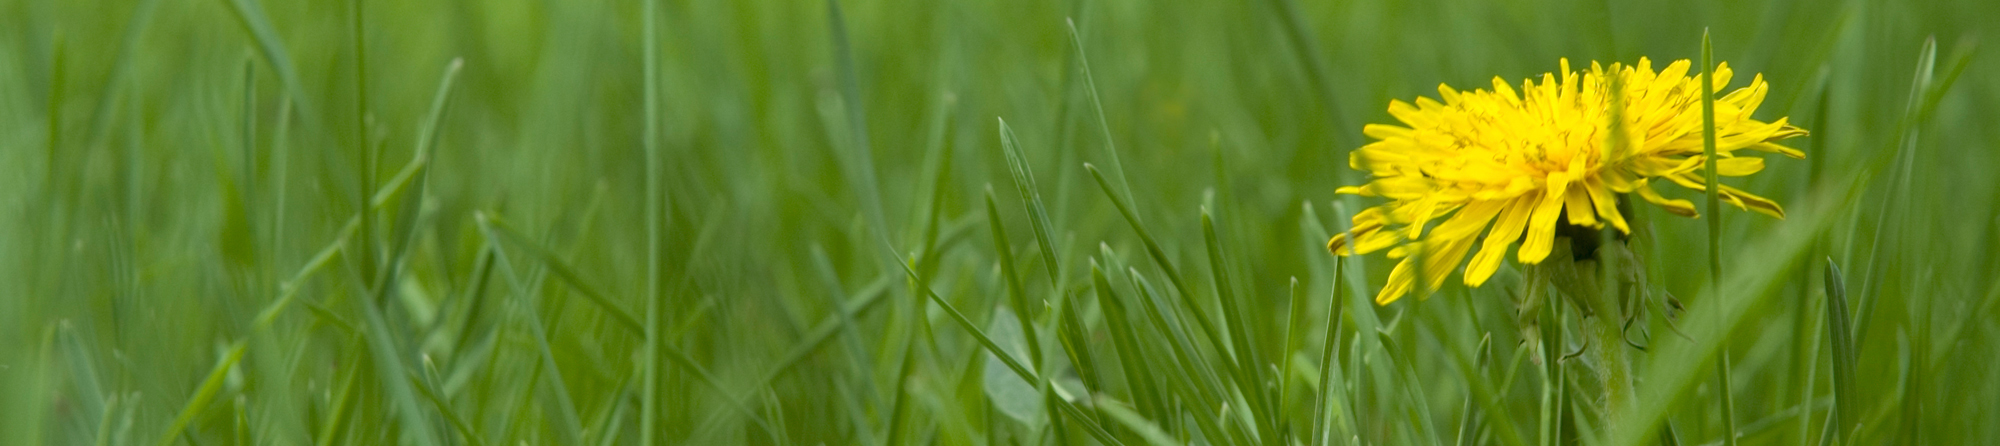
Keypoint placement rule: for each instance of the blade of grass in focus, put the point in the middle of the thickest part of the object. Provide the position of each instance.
(1714, 209)
(1097, 105)
(1670, 373)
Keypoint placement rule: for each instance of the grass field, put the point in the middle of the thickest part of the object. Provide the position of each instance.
(911, 222)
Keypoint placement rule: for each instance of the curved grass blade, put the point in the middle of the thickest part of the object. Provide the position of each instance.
(501, 230)
(1090, 425)
(1097, 105)
(815, 338)
(1031, 198)
(859, 161)
(424, 387)
(1135, 422)
(250, 15)
(569, 421)
(1016, 296)
(1249, 364)
(204, 394)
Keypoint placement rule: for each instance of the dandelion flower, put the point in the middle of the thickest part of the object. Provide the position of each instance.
(1514, 164)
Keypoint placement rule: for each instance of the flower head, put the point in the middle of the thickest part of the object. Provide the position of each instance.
(1513, 164)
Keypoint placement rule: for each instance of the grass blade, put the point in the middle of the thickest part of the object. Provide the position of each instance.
(203, 394)
(1075, 340)
(1249, 364)
(1896, 199)
(1845, 414)
(1097, 105)
(343, 406)
(365, 156)
(1199, 386)
(858, 352)
(500, 230)
(107, 102)
(1330, 376)
(650, 376)
(1131, 356)
(570, 422)
(1091, 426)
(1159, 255)
(1294, 311)
(250, 14)
(1031, 198)
(1016, 296)
(1135, 422)
(1714, 210)
(426, 386)
(1482, 392)
(1671, 371)
(1306, 47)
(1425, 426)
(860, 160)
(1153, 249)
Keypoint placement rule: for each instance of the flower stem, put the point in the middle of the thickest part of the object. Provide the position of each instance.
(1580, 281)
(1614, 362)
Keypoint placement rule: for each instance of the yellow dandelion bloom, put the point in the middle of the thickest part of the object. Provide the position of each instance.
(1513, 163)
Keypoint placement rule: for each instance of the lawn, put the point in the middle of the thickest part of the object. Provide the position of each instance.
(968, 223)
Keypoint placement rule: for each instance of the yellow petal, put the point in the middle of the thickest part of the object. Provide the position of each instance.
(1751, 202)
(1778, 149)
(1679, 207)
(1439, 262)
(1399, 282)
(1426, 208)
(1606, 203)
(1376, 240)
(1722, 75)
(1468, 221)
(1576, 204)
(1337, 245)
(1738, 166)
(1542, 227)
(1385, 131)
(1504, 232)
(1410, 114)
(1447, 93)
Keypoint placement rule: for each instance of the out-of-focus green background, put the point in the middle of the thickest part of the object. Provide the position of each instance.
(185, 257)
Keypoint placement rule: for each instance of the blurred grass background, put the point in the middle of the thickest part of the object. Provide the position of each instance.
(188, 259)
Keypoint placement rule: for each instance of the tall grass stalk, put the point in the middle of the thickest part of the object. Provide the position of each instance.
(1714, 209)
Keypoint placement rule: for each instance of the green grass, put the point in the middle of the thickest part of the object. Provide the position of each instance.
(980, 223)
